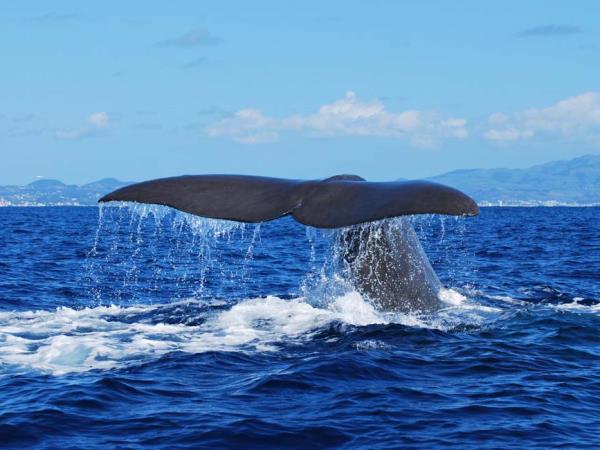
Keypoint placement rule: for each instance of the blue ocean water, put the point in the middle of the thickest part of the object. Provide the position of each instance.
(132, 327)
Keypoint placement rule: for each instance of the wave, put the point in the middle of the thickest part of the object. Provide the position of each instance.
(106, 337)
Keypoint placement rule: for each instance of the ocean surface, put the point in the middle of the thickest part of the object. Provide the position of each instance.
(130, 327)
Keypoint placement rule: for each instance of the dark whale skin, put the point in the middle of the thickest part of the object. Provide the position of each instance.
(385, 259)
(336, 202)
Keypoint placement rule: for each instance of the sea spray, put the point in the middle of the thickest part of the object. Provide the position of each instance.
(139, 249)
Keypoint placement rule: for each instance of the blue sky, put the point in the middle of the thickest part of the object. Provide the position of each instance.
(139, 90)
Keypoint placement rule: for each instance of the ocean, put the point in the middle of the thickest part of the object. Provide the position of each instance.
(130, 327)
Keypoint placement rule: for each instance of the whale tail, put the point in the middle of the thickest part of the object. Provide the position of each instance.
(387, 265)
(339, 201)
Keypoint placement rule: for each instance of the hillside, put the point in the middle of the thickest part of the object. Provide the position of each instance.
(572, 181)
(54, 192)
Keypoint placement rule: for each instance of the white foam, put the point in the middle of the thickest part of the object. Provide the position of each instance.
(508, 299)
(68, 340)
(451, 297)
(576, 306)
(354, 310)
(371, 344)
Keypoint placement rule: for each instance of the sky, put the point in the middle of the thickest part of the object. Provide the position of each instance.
(383, 89)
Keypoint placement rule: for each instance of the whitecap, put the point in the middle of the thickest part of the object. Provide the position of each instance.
(106, 337)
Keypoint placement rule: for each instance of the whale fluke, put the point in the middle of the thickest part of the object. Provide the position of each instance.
(385, 259)
(339, 201)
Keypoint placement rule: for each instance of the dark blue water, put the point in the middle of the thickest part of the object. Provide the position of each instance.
(143, 328)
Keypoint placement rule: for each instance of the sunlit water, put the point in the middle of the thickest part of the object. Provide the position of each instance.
(132, 327)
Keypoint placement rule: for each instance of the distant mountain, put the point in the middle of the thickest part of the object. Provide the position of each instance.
(54, 192)
(572, 182)
(576, 181)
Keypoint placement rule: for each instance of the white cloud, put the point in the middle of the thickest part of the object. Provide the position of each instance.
(573, 117)
(97, 122)
(99, 119)
(258, 138)
(507, 134)
(345, 117)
